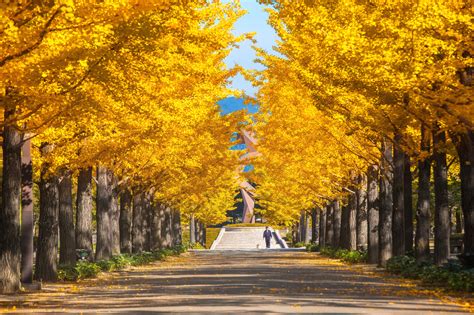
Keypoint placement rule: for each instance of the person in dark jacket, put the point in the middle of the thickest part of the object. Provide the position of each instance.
(267, 235)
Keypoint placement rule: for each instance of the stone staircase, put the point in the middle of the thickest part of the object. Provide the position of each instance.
(244, 238)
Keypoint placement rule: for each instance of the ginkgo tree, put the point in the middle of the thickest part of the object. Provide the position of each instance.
(389, 70)
(129, 89)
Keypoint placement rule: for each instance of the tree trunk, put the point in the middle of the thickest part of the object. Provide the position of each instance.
(373, 215)
(125, 222)
(352, 221)
(345, 241)
(84, 205)
(27, 219)
(459, 223)
(177, 233)
(385, 205)
(166, 228)
(47, 254)
(398, 219)
(303, 227)
(10, 212)
(198, 231)
(104, 213)
(203, 234)
(138, 234)
(308, 226)
(314, 225)
(361, 197)
(67, 240)
(192, 230)
(322, 228)
(422, 236)
(329, 240)
(337, 223)
(465, 148)
(442, 222)
(408, 200)
(115, 216)
(147, 217)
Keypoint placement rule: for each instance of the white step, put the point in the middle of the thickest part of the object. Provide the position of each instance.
(244, 238)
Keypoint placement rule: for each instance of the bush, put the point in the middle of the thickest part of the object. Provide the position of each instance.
(451, 275)
(312, 247)
(299, 244)
(68, 273)
(86, 269)
(349, 256)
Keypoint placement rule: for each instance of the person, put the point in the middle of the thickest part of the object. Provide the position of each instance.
(267, 235)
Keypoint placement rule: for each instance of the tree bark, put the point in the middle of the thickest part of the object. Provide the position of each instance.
(398, 219)
(104, 214)
(385, 205)
(442, 222)
(322, 228)
(361, 197)
(192, 230)
(147, 217)
(408, 200)
(352, 221)
(27, 219)
(177, 233)
(125, 222)
(337, 223)
(203, 234)
(10, 253)
(465, 148)
(329, 240)
(67, 240)
(314, 225)
(138, 234)
(373, 215)
(198, 231)
(84, 205)
(345, 241)
(422, 236)
(459, 223)
(303, 227)
(115, 215)
(166, 228)
(158, 211)
(47, 253)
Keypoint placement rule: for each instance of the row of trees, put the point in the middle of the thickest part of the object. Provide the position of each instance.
(126, 90)
(365, 112)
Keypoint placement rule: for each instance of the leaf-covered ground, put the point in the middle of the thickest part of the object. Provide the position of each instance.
(265, 281)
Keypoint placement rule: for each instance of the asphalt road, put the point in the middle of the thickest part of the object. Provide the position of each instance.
(236, 282)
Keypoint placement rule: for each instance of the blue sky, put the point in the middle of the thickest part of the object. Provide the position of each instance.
(254, 21)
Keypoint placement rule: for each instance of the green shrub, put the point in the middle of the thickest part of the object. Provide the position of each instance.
(349, 256)
(312, 247)
(106, 265)
(67, 273)
(87, 269)
(451, 276)
(354, 257)
(299, 244)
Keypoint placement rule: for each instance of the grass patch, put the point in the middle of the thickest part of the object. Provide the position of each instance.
(211, 235)
(86, 269)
